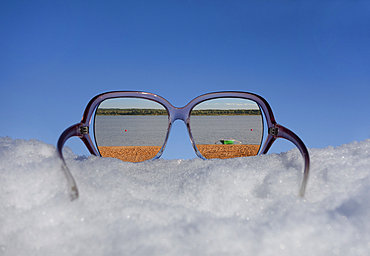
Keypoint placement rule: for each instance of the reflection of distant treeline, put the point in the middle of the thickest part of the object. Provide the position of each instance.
(130, 111)
(226, 112)
(159, 112)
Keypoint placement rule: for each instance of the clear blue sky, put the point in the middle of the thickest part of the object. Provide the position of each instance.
(309, 59)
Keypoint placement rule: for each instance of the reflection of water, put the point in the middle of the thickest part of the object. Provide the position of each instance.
(209, 129)
(151, 130)
(130, 130)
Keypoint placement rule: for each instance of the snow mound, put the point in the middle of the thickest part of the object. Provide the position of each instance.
(243, 206)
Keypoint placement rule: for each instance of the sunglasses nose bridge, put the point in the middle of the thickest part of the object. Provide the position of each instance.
(178, 114)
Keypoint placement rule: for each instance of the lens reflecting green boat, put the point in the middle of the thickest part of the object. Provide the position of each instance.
(227, 141)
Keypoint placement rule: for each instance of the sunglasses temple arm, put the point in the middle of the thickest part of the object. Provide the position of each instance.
(292, 137)
(71, 131)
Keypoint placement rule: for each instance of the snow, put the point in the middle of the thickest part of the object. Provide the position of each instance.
(244, 206)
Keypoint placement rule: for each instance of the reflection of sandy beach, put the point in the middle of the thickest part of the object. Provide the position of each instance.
(227, 151)
(142, 153)
(130, 153)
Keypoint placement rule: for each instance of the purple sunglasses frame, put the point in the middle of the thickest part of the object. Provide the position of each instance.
(275, 130)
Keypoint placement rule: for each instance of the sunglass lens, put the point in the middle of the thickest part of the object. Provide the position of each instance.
(227, 127)
(130, 129)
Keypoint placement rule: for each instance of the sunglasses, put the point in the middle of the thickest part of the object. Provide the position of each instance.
(134, 127)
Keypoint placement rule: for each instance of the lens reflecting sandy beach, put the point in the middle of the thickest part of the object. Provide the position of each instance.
(143, 153)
